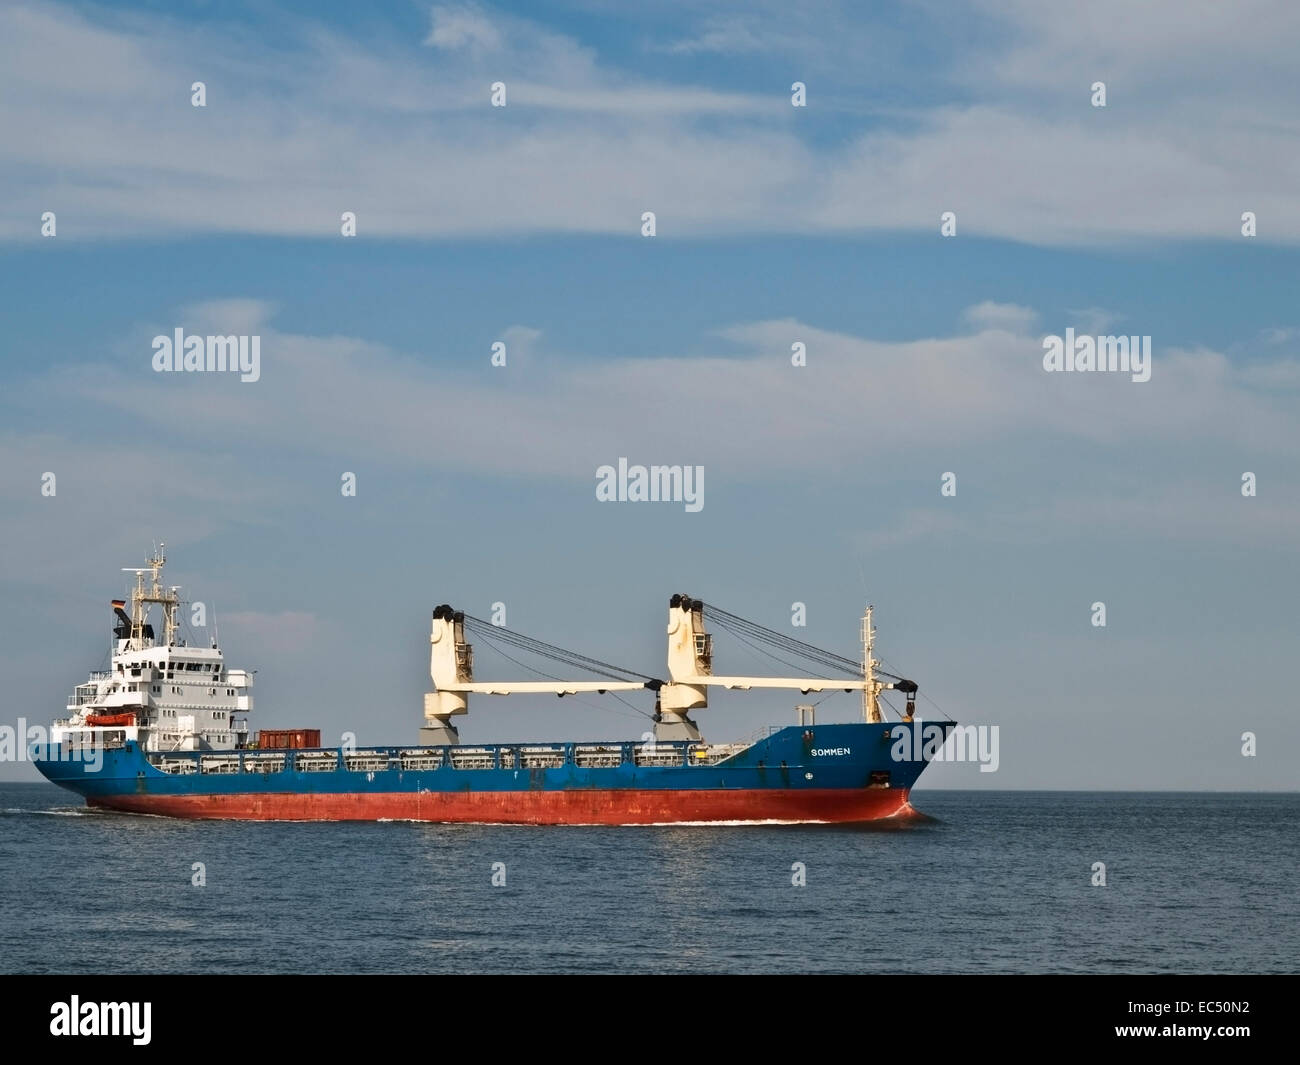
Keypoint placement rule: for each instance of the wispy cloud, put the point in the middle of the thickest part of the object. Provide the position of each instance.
(982, 388)
(1281, 334)
(97, 127)
(1006, 316)
(1094, 320)
(462, 27)
(722, 35)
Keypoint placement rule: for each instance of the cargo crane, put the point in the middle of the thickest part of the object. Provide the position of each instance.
(690, 665)
(690, 668)
(451, 665)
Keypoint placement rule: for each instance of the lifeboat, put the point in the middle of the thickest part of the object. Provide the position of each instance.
(110, 719)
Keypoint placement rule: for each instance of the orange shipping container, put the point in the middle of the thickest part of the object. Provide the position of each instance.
(292, 738)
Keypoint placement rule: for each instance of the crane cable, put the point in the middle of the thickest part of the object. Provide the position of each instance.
(532, 645)
(530, 669)
(735, 625)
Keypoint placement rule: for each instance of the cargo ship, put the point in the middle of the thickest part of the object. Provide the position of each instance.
(165, 731)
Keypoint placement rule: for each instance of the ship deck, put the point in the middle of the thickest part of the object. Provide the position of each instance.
(596, 755)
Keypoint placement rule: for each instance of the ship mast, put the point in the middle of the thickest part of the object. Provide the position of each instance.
(141, 597)
(871, 687)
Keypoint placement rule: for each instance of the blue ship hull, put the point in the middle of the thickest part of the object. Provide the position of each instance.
(822, 773)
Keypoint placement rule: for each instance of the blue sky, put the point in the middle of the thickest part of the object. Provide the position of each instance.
(775, 224)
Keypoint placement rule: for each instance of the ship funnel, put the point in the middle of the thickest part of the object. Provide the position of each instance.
(123, 618)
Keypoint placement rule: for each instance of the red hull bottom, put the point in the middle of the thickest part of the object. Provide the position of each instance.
(577, 807)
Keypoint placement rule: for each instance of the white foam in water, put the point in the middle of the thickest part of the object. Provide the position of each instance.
(49, 813)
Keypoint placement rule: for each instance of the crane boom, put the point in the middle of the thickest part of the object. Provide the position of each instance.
(558, 687)
(803, 684)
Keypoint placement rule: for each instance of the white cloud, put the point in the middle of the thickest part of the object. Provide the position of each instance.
(237, 316)
(1280, 334)
(1009, 317)
(117, 481)
(97, 127)
(460, 27)
(646, 101)
(754, 415)
(1095, 321)
(1144, 507)
(1284, 374)
(1142, 49)
(726, 36)
(521, 343)
(183, 457)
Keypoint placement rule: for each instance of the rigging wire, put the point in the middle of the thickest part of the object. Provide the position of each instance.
(492, 646)
(787, 644)
(769, 654)
(530, 669)
(557, 654)
(927, 698)
(735, 624)
(779, 638)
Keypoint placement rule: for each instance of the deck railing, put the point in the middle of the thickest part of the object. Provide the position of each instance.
(516, 756)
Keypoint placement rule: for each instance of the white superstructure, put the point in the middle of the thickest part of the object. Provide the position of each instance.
(162, 693)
